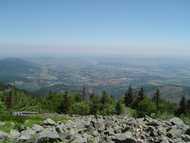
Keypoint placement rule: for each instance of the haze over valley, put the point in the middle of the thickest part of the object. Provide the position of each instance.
(112, 74)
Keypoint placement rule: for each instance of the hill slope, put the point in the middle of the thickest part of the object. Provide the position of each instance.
(15, 69)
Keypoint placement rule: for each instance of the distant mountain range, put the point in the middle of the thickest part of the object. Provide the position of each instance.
(40, 76)
(16, 69)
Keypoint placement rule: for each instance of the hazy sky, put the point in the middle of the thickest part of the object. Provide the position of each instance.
(139, 27)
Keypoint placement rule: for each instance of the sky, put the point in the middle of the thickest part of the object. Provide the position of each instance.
(102, 27)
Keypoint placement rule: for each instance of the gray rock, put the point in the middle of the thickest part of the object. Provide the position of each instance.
(98, 125)
(108, 129)
(37, 128)
(48, 135)
(27, 136)
(174, 133)
(59, 129)
(49, 122)
(3, 135)
(164, 139)
(153, 123)
(124, 138)
(177, 140)
(94, 133)
(79, 139)
(69, 135)
(153, 132)
(177, 121)
(186, 138)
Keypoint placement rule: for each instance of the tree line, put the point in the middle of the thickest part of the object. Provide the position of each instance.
(82, 103)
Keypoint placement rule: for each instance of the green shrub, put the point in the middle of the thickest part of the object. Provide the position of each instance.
(95, 105)
(30, 121)
(6, 141)
(107, 104)
(165, 115)
(131, 112)
(146, 107)
(120, 108)
(185, 118)
(165, 106)
(3, 112)
(7, 126)
(81, 108)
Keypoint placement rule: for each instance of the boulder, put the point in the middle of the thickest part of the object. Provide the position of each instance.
(49, 122)
(37, 128)
(69, 135)
(164, 139)
(48, 135)
(177, 121)
(124, 138)
(98, 125)
(186, 138)
(26, 136)
(3, 135)
(152, 132)
(174, 133)
(79, 139)
(107, 129)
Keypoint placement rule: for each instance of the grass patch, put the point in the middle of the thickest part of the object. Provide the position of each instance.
(57, 117)
(7, 126)
(186, 118)
(131, 112)
(30, 121)
(6, 141)
(164, 115)
(10, 122)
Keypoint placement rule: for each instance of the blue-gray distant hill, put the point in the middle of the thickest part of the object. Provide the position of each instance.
(12, 69)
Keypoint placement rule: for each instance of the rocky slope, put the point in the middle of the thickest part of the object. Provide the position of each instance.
(112, 129)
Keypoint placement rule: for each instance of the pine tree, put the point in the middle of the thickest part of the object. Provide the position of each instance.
(107, 104)
(139, 98)
(119, 108)
(84, 93)
(128, 99)
(182, 107)
(188, 106)
(65, 106)
(183, 104)
(141, 94)
(104, 98)
(157, 98)
(94, 105)
(8, 100)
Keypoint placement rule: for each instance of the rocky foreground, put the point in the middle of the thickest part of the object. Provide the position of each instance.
(113, 129)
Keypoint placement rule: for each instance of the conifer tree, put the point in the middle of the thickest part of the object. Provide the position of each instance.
(65, 106)
(139, 98)
(157, 98)
(94, 105)
(8, 100)
(141, 94)
(119, 108)
(128, 99)
(188, 106)
(182, 107)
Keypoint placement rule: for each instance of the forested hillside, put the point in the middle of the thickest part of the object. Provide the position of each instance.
(133, 101)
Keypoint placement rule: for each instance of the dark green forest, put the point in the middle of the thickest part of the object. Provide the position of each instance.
(133, 102)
